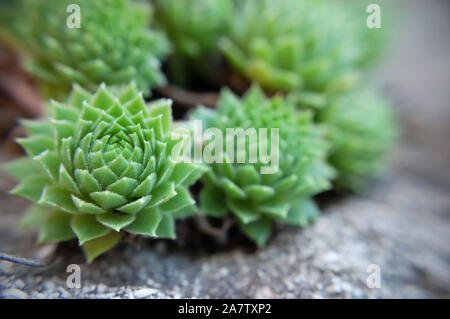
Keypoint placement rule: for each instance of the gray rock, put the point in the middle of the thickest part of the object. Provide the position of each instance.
(144, 292)
(13, 293)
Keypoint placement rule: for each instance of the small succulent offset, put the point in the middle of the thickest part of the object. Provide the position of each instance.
(308, 46)
(114, 44)
(254, 198)
(101, 166)
(361, 127)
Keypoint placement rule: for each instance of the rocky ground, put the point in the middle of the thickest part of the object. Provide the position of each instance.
(401, 223)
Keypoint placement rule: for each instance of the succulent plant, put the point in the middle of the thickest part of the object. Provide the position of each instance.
(312, 47)
(194, 28)
(101, 166)
(254, 198)
(361, 127)
(114, 44)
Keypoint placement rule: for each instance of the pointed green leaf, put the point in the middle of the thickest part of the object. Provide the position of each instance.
(64, 112)
(135, 206)
(248, 175)
(123, 186)
(108, 200)
(165, 171)
(301, 212)
(86, 207)
(56, 227)
(31, 188)
(162, 194)
(86, 182)
(163, 108)
(77, 97)
(37, 127)
(86, 228)
(66, 180)
(180, 200)
(103, 99)
(145, 187)
(194, 176)
(181, 171)
(116, 221)
(34, 216)
(212, 201)
(63, 128)
(258, 231)
(243, 211)
(58, 197)
(166, 227)
(259, 193)
(231, 189)
(277, 210)
(128, 93)
(105, 176)
(98, 246)
(50, 163)
(146, 222)
(21, 168)
(150, 167)
(136, 105)
(36, 144)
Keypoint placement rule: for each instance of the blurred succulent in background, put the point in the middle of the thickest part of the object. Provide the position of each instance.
(114, 44)
(361, 127)
(313, 47)
(256, 199)
(101, 166)
(194, 27)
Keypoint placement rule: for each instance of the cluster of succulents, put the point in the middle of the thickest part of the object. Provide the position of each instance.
(270, 44)
(100, 164)
(254, 197)
(318, 61)
(113, 45)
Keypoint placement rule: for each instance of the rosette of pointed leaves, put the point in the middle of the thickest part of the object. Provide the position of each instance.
(114, 44)
(254, 198)
(308, 46)
(102, 165)
(361, 127)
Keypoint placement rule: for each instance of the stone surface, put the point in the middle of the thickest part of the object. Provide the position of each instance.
(401, 223)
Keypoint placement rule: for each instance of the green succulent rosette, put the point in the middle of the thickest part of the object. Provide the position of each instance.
(361, 127)
(114, 44)
(102, 165)
(258, 199)
(314, 48)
